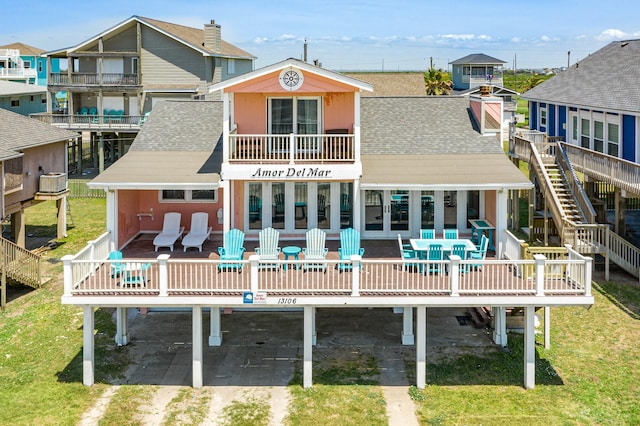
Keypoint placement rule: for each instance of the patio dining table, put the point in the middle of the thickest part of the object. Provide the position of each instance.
(421, 245)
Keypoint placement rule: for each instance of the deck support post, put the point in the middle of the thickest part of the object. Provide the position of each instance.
(61, 208)
(500, 326)
(408, 338)
(529, 347)
(421, 346)
(314, 332)
(197, 347)
(547, 327)
(88, 352)
(215, 327)
(122, 327)
(307, 364)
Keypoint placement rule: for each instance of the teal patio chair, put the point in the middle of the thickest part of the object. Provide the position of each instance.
(117, 268)
(255, 208)
(349, 246)
(233, 250)
(407, 254)
(450, 234)
(461, 251)
(268, 249)
(434, 253)
(428, 234)
(479, 254)
(315, 250)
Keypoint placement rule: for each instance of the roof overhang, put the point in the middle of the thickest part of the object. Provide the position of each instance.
(442, 172)
(161, 170)
(292, 63)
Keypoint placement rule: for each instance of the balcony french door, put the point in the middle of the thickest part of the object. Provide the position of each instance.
(301, 116)
(386, 213)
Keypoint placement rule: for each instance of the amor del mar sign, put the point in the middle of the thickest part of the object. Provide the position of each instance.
(292, 172)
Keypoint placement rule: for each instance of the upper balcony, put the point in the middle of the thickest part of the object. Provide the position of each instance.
(17, 73)
(92, 122)
(88, 80)
(292, 148)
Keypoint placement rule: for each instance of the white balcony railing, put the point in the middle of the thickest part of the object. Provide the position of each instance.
(163, 276)
(256, 148)
(91, 121)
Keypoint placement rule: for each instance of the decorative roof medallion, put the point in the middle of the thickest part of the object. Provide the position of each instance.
(291, 79)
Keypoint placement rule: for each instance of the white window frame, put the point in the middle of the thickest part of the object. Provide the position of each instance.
(231, 66)
(574, 128)
(611, 119)
(188, 193)
(135, 63)
(542, 121)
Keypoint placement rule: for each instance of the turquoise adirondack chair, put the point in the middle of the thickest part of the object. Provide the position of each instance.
(233, 250)
(450, 234)
(117, 268)
(349, 246)
(315, 249)
(428, 234)
(269, 249)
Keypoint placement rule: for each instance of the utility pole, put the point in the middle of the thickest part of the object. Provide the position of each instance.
(568, 58)
(430, 62)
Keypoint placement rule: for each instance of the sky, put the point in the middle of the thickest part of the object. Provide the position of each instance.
(350, 35)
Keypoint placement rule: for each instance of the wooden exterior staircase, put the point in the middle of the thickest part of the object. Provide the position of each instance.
(19, 265)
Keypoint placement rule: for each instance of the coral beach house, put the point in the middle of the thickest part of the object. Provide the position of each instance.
(295, 147)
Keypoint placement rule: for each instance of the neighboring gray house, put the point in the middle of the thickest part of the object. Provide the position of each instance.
(476, 70)
(115, 78)
(22, 98)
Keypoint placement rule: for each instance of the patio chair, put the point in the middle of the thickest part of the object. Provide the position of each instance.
(461, 251)
(450, 234)
(278, 207)
(268, 249)
(349, 246)
(233, 250)
(116, 267)
(479, 254)
(199, 232)
(135, 275)
(144, 118)
(407, 253)
(434, 253)
(315, 249)
(171, 231)
(322, 208)
(428, 234)
(345, 207)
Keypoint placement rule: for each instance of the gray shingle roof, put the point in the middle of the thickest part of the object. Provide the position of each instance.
(426, 125)
(9, 88)
(606, 79)
(181, 126)
(478, 58)
(19, 132)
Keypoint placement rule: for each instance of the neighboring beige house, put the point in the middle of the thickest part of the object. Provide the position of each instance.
(114, 79)
(34, 169)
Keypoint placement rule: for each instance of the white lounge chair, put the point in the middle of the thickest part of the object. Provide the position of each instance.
(315, 249)
(199, 232)
(171, 231)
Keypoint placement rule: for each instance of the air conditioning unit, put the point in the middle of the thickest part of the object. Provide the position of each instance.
(53, 182)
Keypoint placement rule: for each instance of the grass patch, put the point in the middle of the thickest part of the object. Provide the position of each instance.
(41, 339)
(345, 392)
(189, 407)
(250, 412)
(128, 399)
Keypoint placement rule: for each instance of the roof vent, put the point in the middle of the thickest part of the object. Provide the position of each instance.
(485, 90)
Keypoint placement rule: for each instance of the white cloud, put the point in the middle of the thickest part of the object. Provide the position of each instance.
(611, 34)
(458, 36)
(516, 39)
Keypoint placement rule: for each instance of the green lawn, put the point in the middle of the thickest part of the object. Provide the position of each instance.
(590, 375)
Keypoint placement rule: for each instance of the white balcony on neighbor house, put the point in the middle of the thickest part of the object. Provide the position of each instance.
(13, 67)
(291, 148)
(92, 122)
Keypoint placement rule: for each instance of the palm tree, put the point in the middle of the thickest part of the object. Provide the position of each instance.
(437, 82)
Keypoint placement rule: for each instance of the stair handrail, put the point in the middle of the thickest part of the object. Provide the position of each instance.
(579, 195)
(557, 212)
(21, 264)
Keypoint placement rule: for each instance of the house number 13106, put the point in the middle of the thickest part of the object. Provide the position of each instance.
(287, 301)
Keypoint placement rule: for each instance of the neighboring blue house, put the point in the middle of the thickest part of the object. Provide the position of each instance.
(595, 103)
(476, 70)
(22, 63)
(22, 98)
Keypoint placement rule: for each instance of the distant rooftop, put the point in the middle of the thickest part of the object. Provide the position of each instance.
(478, 58)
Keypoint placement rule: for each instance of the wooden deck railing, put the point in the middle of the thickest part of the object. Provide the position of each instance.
(76, 121)
(605, 168)
(166, 277)
(320, 148)
(93, 79)
(20, 264)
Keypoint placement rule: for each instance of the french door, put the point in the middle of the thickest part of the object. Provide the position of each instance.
(386, 213)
